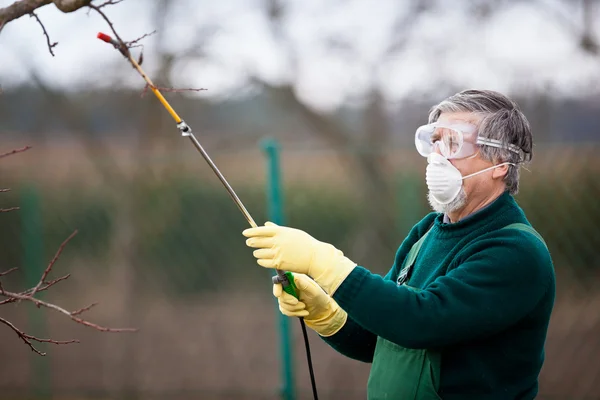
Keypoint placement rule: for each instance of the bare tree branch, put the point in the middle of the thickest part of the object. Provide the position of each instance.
(84, 309)
(8, 271)
(164, 89)
(10, 153)
(52, 282)
(134, 43)
(71, 314)
(41, 289)
(27, 295)
(20, 8)
(51, 264)
(68, 6)
(109, 2)
(42, 285)
(28, 338)
(3, 210)
(50, 45)
(25, 7)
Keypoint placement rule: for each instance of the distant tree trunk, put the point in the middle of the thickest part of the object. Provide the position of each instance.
(378, 230)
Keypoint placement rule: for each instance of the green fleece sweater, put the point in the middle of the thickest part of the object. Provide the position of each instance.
(485, 303)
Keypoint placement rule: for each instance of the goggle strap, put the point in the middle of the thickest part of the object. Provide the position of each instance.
(498, 144)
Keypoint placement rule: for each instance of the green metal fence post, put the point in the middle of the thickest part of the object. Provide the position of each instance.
(275, 213)
(33, 262)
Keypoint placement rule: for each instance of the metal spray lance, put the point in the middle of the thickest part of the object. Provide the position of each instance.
(284, 278)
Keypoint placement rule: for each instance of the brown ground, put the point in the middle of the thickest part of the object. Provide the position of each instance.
(226, 346)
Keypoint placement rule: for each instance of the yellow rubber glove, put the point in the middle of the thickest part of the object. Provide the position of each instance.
(321, 313)
(294, 250)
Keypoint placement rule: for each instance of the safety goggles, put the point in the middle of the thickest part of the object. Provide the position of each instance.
(454, 140)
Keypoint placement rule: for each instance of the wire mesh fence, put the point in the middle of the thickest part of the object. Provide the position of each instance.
(159, 246)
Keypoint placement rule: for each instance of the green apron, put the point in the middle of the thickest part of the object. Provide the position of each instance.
(399, 373)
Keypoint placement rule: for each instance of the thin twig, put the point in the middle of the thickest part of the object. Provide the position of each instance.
(134, 42)
(51, 264)
(4, 190)
(8, 271)
(165, 89)
(28, 338)
(84, 309)
(41, 289)
(50, 46)
(42, 303)
(108, 3)
(53, 282)
(15, 151)
(2, 292)
(9, 209)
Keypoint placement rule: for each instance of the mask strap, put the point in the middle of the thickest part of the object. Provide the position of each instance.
(487, 169)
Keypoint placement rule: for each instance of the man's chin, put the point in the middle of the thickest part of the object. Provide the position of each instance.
(455, 205)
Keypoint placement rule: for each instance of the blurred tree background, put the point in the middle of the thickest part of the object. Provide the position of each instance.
(342, 86)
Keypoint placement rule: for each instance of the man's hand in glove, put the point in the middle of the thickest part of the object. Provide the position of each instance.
(321, 313)
(290, 249)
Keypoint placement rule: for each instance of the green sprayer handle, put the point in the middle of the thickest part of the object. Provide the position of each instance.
(286, 279)
(290, 288)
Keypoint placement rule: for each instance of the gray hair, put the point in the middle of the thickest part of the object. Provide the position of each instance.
(500, 119)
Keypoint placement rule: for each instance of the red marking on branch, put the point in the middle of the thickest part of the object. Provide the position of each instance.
(104, 37)
(120, 43)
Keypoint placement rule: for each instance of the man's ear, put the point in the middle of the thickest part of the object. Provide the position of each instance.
(500, 172)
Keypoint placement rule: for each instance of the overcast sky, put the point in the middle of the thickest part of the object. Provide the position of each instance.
(519, 48)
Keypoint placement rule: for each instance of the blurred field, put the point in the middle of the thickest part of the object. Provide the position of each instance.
(182, 275)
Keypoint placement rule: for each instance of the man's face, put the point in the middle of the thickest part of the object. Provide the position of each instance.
(478, 185)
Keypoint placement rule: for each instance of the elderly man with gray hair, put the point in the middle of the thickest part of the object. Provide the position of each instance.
(464, 311)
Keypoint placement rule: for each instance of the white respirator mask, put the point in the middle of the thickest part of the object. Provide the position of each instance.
(444, 180)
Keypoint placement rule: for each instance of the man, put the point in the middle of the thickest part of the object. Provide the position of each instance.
(464, 311)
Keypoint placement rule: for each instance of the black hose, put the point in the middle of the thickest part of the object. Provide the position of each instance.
(309, 359)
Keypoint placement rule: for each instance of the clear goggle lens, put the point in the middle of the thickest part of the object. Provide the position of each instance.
(450, 141)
